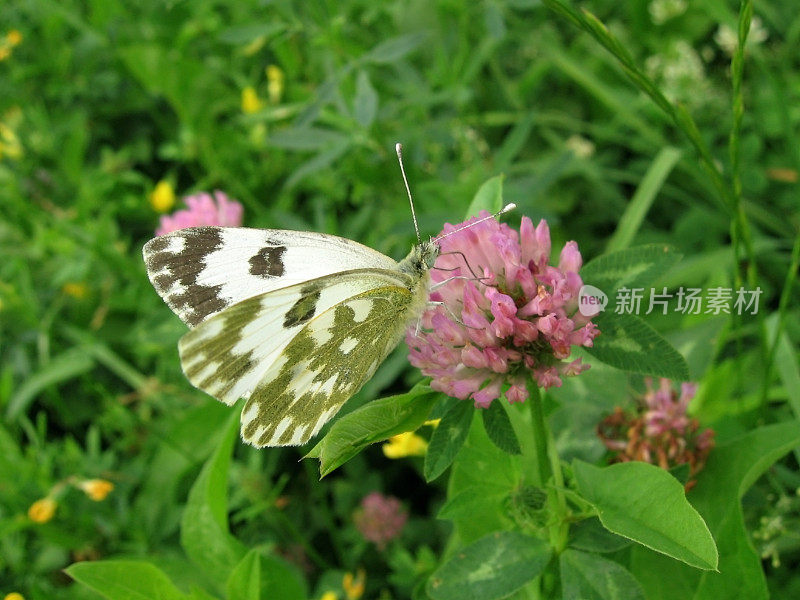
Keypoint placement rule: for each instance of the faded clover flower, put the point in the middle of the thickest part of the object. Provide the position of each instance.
(660, 432)
(728, 39)
(662, 11)
(504, 316)
(202, 209)
(380, 518)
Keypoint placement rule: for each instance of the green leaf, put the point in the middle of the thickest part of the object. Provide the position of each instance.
(448, 438)
(365, 106)
(373, 422)
(305, 138)
(204, 528)
(498, 427)
(125, 580)
(395, 48)
(245, 34)
(492, 567)
(317, 163)
(245, 580)
(631, 268)
(591, 536)
(280, 580)
(470, 502)
(587, 576)
(646, 504)
(730, 471)
(67, 365)
(488, 197)
(629, 343)
(484, 472)
(643, 198)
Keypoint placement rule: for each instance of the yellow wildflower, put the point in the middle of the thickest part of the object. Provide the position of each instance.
(329, 596)
(275, 79)
(251, 103)
(405, 444)
(77, 290)
(42, 510)
(5, 52)
(354, 586)
(9, 142)
(162, 198)
(14, 596)
(433, 423)
(13, 37)
(96, 489)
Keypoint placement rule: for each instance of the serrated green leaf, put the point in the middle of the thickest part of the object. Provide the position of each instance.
(205, 536)
(125, 580)
(586, 576)
(448, 438)
(628, 343)
(373, 422)
(632, 268)
(498, 428)
(646, 504)
(488, 197)
(491, 568)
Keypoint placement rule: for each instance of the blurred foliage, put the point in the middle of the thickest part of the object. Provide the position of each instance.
(102, 99)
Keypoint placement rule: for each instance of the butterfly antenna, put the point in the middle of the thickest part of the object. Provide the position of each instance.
(502, 211)
(399, 149)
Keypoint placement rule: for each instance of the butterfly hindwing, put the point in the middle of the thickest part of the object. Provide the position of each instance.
(201, 271)
(228, 354)
(327, 362)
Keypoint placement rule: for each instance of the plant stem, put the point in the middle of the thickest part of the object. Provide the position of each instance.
(549, 467)
(540, 434)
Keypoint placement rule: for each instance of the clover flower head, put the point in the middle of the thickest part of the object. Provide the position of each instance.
(660, 431)
(202, 209)
(380, 518)
(503, 314)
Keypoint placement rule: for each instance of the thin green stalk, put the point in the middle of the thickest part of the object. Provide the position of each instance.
(539, 433)
(783, 304)
(549, 467)
(559, 531)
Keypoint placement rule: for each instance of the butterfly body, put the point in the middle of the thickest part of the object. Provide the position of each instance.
(295, 322)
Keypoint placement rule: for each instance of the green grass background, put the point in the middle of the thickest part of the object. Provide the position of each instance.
(656, 141)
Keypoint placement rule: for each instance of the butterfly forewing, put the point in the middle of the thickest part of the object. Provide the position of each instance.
(201, 271)
(326, 363)
(230, 353)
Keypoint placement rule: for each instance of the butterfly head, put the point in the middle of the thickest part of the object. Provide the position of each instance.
(421, 258)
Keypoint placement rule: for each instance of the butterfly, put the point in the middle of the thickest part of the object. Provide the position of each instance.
(294, 322)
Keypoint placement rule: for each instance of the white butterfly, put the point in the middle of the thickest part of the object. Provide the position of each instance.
(293, 321)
